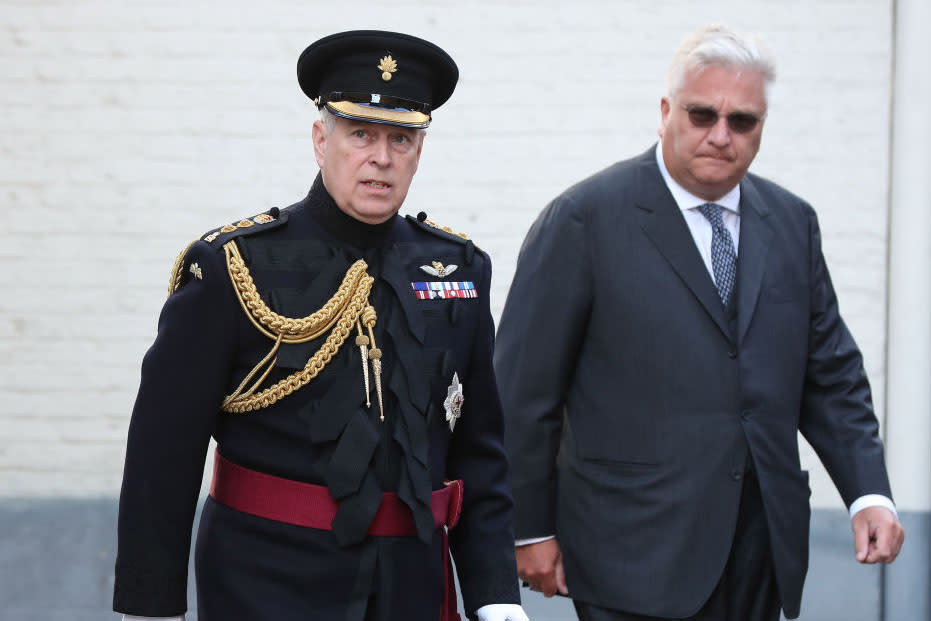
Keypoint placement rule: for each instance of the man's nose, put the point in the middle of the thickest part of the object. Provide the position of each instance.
(720, 134)
(381, 153)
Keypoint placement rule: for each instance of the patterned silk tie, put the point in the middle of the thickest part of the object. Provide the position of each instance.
(723, 255)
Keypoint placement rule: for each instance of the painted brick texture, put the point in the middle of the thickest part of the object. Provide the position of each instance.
(128, 128)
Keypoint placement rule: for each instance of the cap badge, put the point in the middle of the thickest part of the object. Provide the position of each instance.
(453, 402)
(439, 270)
(388, 66)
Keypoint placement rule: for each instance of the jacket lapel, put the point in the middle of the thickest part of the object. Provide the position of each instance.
(663, 224)
(755, 237)
(395, 273)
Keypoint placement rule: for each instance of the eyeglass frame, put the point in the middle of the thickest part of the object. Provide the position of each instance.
(690, 108)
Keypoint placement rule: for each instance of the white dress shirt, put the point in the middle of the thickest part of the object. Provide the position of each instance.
(698, 224)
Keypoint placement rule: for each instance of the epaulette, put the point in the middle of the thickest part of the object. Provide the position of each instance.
(444, 232)
(266, 221)
(432, 227)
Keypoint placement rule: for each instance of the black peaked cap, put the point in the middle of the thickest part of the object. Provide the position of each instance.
(378, 76)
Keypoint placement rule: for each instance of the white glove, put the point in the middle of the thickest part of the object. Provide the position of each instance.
(501, 612)
(132, 618)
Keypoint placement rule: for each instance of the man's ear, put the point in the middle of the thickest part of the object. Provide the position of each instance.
(664, 108)
(319, 135)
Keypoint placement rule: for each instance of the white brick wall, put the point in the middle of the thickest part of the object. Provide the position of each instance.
(129, 127)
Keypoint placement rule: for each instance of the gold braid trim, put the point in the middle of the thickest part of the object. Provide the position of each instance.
(177, 271)
(270, 323)
(347, 308)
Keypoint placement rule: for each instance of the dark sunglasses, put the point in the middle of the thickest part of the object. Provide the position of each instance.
(738, 122)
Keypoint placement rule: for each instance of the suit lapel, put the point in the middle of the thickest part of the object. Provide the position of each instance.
(755, 236)
(662, 222)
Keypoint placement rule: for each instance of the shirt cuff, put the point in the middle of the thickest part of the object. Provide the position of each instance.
(527, 542)
(872, 500)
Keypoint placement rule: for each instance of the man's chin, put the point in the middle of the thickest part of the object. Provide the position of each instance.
(714, 184)
(375, 214)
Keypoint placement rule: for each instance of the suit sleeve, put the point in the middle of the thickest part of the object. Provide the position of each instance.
(184, 376)
(542, 330)
(483, 542)
(837, 415)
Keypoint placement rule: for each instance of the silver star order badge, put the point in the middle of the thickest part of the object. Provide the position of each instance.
(453, 402)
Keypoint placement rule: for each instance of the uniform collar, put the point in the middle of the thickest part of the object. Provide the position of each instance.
(343, 227)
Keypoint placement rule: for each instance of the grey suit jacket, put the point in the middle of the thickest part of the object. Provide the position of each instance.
(634, 400)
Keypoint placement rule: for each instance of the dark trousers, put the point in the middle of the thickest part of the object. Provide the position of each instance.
(747, 590)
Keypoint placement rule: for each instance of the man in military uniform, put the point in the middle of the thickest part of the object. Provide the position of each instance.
(340, 355)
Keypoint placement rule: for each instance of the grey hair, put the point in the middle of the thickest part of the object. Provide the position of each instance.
(328, 118)
(718, 45)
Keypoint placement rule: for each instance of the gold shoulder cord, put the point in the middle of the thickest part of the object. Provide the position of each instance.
(177, 272)
(349, 306)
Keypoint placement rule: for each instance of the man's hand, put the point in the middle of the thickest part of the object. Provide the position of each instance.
(877, 535)
(540, 565)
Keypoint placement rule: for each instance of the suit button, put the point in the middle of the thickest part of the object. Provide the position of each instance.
(736, 474)
(745, 415)
(732, 353)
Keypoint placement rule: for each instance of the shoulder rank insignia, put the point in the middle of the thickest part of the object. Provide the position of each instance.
(426, 223)
(453, 402)
(446, 229)
(439, 270)
(444, 290)
(263, 221)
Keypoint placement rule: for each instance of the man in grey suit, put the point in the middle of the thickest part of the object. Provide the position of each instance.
(670, 328)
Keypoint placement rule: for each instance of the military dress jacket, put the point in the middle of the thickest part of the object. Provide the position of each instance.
(433, 327)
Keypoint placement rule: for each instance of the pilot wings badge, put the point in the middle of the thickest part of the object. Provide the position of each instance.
(453, 402)
(439, 270)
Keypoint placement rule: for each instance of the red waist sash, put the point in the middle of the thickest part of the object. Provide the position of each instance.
(305, 504)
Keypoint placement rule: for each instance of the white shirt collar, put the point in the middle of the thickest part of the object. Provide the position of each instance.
(685, 199)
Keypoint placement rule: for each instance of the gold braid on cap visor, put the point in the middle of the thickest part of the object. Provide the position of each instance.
(375, 114)
(348, 307)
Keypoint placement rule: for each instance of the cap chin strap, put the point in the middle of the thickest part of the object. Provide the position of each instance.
(375, 99)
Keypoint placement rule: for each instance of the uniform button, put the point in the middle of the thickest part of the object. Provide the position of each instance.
(736, 474)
